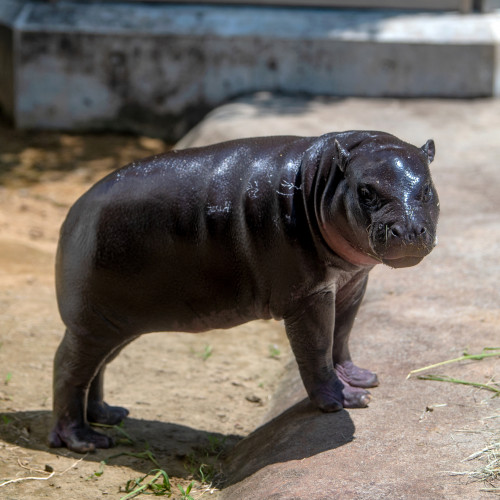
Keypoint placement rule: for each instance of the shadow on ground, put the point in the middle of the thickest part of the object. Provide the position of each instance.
(300, 432)
(173, 446)
(28, 157)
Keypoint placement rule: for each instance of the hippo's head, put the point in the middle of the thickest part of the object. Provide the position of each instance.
(384, 207)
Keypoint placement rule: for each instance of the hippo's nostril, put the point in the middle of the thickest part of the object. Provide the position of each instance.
(408, 234)
(397, 231)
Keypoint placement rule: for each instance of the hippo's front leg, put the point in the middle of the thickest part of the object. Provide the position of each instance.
(310, 330)
(347, 304)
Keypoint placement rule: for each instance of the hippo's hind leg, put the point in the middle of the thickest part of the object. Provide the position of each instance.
(346, 309)
(78, 360)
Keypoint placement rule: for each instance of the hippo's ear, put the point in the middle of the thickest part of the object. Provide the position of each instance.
(429, 149)
(341, 156)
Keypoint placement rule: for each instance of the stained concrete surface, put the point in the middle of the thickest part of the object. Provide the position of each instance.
(415, 432)
(156, 68)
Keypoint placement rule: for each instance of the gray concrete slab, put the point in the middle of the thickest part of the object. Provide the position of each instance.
(158, 68)
(415, 432)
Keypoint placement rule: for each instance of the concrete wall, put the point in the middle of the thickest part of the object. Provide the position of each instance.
(158, 68)
(9, 10)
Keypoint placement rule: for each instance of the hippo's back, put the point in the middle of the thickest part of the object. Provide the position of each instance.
(181, 241)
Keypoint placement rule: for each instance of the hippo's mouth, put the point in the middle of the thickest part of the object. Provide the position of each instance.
(398, 255)
(402, 262)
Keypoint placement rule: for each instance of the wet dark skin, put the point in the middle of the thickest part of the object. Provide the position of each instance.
(276, 227)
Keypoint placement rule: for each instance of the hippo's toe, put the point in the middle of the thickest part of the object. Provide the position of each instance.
(81, 439)
(99, 412)
(351, 374)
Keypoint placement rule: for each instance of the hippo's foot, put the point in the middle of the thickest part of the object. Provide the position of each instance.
(327, 396)
(355, 397)
(99, 412)
(350, 374)
(81, 438)
(336, 394)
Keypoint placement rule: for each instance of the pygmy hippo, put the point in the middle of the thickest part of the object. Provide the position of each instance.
(273, 227)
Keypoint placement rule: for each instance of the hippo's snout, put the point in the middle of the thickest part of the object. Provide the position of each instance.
(403, 242)
(411, 234)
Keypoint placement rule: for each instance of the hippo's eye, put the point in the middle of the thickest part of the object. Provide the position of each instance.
(369, 197)
(427, 193)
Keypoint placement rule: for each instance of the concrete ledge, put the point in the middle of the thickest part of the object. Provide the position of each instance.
(402, 446)
(158, 68)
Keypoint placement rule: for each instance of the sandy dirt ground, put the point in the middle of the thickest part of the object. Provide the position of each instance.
(191, 397)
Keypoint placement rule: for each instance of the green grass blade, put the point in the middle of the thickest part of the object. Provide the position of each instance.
(158, 489)
(458, 381)
(461, 358)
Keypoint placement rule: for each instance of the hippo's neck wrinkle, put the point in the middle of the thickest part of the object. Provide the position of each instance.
(338, 244)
